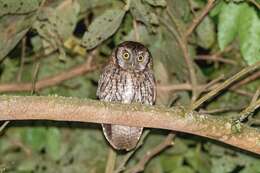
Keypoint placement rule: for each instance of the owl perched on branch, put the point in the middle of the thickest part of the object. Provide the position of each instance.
(127, 78)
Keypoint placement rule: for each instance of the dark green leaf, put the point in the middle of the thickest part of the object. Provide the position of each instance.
(53, 143)
(103, 27)
(206, 33)
(35, 137)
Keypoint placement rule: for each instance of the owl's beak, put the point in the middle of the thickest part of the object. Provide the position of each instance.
(132, 66)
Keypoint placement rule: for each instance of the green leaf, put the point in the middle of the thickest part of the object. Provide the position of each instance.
(184, 169)
(18, 6)
(171, 163)
(54, 26)
(103, 27)
(217, 9)
(10, 67)
(249, 35)
(143, 13)
(206, 33)
(228, 23)
(91, 4)
(12, 30)
(157, 3)
(65, 22)
(53, 143)
(34, 137)
(198, 160)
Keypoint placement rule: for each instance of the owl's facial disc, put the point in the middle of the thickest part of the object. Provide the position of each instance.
(132, 56)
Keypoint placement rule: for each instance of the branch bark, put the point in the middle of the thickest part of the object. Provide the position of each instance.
(177, 119)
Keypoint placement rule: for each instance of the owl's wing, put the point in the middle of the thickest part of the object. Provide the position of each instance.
(102, 83)
(152, 90)
(106, 83)
(147, 89)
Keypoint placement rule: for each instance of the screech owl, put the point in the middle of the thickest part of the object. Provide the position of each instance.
(127, 78)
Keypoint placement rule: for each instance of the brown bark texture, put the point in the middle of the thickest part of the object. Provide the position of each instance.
(178, 119)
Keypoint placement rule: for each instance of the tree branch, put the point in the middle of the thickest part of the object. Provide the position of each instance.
(226, 83)
(168, 141)
(197, 20)
(177, 119)
(52, 80)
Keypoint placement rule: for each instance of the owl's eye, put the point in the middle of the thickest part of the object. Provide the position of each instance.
(140, 58)
(126, 55)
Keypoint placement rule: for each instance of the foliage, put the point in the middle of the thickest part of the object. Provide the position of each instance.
(40, 39)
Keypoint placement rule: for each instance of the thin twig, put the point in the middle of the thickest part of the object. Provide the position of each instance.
(111, 161)
(255, 104)
(188, 87)
(220, 110)
(212, 83)
(168, 141)
(39, 55)
(52, 80)
(216, 59)
(183, 45)
(250, 78)
(136, 32)
(23, 49)
(35, 76)
(4, 125)
(210, 4)
(126, 158)
(174, 87)
(242, 92)
(226, 83)
(255, 3)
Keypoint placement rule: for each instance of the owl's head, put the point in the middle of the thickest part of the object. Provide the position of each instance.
(132, 56)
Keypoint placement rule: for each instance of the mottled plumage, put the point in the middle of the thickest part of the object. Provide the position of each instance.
(127, 78)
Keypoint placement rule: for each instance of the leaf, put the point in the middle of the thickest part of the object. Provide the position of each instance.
(35, 137)
(53, 143)
(142, 13)
(217, 9)
(18, 6)
(10, 67)
(103, 27)
(12, 30)
(90, 4)
(198, 160)
(170, 163)
(157, 3)
(55, 26)
(249, 35)
(206, 33)
(66, 22)
(184, 169)
(228, 23)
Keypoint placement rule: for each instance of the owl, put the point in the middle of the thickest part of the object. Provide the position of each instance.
(127, 78)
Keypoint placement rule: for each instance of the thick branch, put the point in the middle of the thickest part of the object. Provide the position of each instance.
(84, 110)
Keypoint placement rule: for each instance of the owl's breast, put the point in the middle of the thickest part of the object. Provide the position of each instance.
(128, 89)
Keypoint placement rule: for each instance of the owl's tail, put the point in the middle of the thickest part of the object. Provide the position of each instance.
(122, 137)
